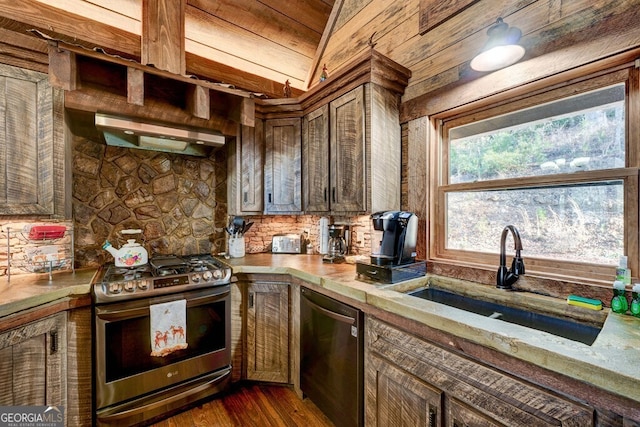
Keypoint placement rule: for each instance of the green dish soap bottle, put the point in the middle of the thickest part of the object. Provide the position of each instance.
(619, 302)
(635, 302)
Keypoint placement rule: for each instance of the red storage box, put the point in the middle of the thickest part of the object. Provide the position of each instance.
(46, 232)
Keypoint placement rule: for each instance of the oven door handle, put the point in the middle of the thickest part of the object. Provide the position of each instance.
(110, 313)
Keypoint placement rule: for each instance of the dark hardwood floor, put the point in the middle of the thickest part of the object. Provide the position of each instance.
(252, 405)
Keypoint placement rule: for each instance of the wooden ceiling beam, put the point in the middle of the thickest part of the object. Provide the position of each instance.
(24, 15)
(163, 35)
(151, 70)
(328, 30)
(198, 102)
(63, 70)
(93, 100)
(109, 74)
(135, 86)
(65, 26)
(225, 74)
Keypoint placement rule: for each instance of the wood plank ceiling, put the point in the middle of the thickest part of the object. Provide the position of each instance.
(255, 45)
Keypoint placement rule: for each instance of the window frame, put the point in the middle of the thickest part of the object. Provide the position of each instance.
(514, 100)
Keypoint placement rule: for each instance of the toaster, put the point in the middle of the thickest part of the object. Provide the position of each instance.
(287, 244)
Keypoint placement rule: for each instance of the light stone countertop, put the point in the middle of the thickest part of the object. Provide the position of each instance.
(26, 291)
(612, 362)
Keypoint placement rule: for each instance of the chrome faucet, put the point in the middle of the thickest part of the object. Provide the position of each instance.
(506, 278)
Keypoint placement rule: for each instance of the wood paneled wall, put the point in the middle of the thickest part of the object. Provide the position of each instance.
(558, 35)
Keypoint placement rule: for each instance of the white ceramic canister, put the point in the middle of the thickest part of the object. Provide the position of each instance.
(236, 247)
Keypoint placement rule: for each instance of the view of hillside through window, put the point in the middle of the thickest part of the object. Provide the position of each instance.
(536, 151)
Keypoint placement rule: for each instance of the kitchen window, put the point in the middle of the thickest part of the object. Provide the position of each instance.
(556, 165)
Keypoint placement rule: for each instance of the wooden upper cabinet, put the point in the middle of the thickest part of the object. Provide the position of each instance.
(315, 158)
(32, 145)
(246, 163)
(383, 149)
(283, 166)
(348, 155)
(351, 142)
(352, 163)
(252, 159)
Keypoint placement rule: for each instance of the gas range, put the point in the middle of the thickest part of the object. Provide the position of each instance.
(162, 275)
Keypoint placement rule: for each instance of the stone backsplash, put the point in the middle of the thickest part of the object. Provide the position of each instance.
(258, 238)
(178, 201)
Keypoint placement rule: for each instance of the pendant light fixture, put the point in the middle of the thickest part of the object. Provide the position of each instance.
(502, 48)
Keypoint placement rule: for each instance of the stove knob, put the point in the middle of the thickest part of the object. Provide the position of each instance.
(217, 274)
(115, 287)
(206, 276)
(143, 285)
(130, 286)
(195, 278)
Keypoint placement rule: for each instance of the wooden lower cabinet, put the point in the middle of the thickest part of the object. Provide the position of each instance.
(400, 399)
(267, 328)
(412, 382)
(33, 363)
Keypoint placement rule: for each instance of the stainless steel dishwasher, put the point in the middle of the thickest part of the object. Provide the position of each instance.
(331, 352)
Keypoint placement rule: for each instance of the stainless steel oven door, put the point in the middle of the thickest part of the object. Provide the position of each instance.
(125, 368)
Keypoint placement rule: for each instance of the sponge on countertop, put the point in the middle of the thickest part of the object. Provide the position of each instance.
(593, 304)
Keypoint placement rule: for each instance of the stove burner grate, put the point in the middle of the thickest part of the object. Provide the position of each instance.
(161, 276)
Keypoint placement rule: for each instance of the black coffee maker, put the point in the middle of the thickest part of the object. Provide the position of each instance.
(337, 245)
(393, 248)
(393, 241)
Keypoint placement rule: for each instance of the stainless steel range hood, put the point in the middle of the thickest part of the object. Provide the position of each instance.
(134, 133)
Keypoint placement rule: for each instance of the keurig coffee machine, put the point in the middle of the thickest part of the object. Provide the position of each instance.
(394, 236)
(393, 248)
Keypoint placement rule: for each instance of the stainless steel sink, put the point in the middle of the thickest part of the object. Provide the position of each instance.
(566, 328)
